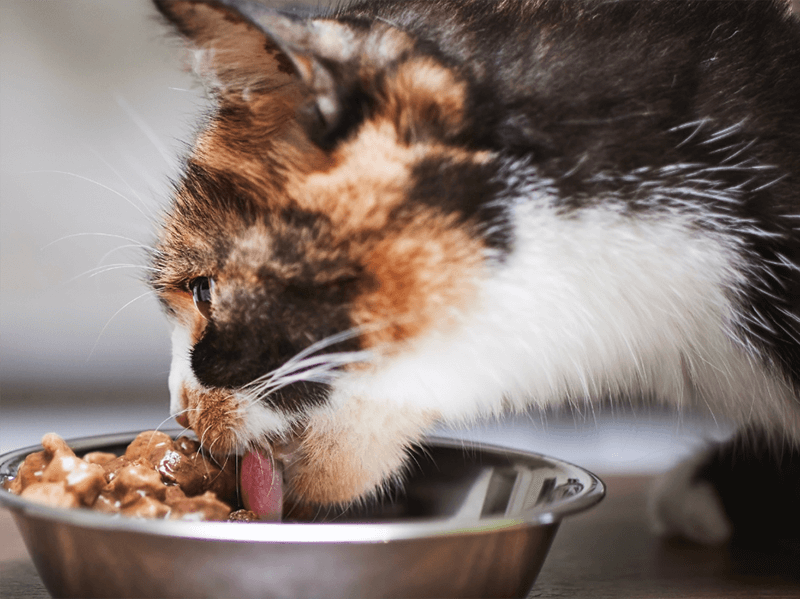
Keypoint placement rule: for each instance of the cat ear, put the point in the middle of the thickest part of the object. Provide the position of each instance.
(231, 54)
(332, 58)
(324, 54)
(246, 46)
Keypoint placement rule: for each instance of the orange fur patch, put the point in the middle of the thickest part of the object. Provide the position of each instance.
(234, 55)
(214, 417)
(347, 454)
(367, 178)
(422, 93)
(262, 142)
(424, 267)
(424, 272)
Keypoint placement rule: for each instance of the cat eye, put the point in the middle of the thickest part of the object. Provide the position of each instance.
(201, 288)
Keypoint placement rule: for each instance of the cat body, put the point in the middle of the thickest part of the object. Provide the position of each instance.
(404, 213)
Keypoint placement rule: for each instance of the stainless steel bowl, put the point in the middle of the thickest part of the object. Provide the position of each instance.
(471, 521)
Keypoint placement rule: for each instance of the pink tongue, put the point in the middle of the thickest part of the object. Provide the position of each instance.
(262, 485)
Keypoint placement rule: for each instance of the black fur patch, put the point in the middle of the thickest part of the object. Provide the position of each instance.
(758, 481)
(263, 329)
(216, 192)
(469, 190)
(356, 105)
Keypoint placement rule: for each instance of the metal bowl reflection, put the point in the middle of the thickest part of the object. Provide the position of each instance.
(470, 521)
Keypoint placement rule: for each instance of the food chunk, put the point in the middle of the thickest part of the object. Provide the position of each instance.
(155, 478)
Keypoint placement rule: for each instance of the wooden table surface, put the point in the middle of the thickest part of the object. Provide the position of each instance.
(607, 552)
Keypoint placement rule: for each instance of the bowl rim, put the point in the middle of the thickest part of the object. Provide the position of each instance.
(296, 532)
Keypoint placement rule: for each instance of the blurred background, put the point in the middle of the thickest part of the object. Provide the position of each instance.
(95, 112)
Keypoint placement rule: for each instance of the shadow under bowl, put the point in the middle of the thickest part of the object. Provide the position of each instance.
(470, 521)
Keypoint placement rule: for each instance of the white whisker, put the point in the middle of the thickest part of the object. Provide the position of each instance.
(122, 247)
(144, 173)
(111, 235)
(98, 270)
(102, 185)
(103, 269)
(138, 297)
(168, 418)
(142, 203)
(305, 366)
(291, 364)
(324, 374)
(307, 363)
(146, 129)
(320, 370)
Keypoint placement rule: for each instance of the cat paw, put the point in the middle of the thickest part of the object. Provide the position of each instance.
(683, 505)
(352, 452)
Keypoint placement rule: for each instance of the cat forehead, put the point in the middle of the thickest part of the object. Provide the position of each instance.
(360, 182)
(366, 184)
(421, 97)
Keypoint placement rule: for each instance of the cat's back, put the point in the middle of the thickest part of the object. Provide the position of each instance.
(545, 69)
(665, 109)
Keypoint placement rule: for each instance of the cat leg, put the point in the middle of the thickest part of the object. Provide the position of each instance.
(352, 451)
(681, 505)
(747, 489)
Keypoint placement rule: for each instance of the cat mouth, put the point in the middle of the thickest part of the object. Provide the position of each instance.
(261, 483)
(261, 478)
(263, 473)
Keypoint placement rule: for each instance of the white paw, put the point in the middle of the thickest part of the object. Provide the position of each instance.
(679, 506)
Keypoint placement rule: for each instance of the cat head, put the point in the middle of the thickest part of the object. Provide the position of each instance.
(334, 212)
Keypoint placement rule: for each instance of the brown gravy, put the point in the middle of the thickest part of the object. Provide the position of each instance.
(157, 477)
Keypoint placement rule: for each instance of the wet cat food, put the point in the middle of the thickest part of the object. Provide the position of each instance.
(156, 477)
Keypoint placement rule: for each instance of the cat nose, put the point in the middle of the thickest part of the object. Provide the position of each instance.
(182, 419)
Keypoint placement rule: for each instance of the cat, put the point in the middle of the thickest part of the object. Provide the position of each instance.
(404, 213)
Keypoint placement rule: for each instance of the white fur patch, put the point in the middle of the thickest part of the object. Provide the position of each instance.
(259, 420)
(180, 371)
(679, 506)
(590, 304)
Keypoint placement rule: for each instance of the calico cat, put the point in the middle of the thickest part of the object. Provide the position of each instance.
(402, 213)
